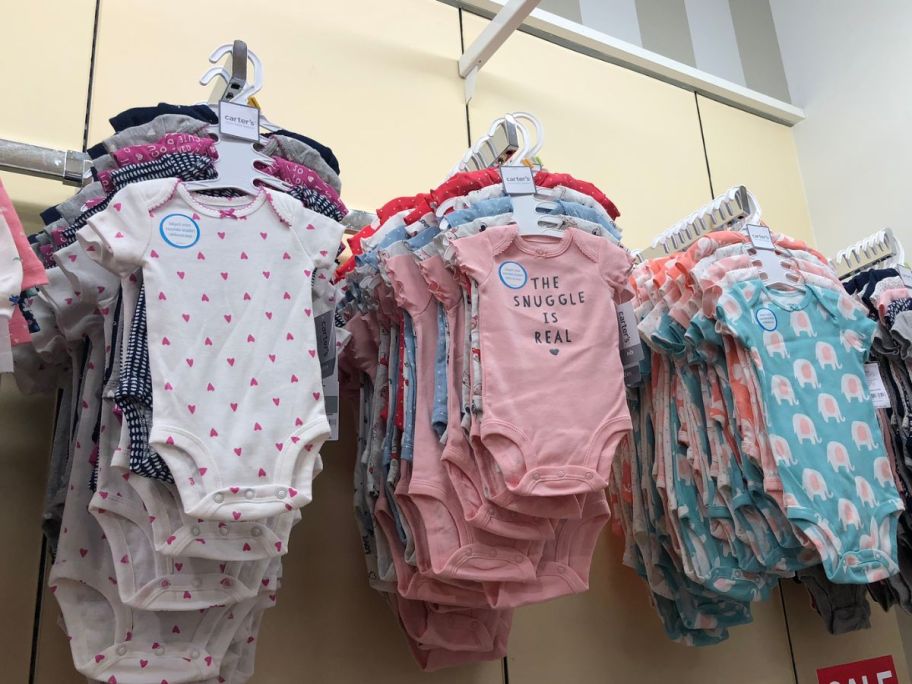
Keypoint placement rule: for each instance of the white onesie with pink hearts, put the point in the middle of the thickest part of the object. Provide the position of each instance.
(239, 415)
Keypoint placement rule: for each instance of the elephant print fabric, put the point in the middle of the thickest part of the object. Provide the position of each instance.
(838, 486)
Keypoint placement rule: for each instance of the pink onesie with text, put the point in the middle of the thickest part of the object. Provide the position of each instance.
(553, 382)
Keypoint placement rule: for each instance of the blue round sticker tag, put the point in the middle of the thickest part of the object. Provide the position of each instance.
(179, 230)
(513, 275)
(766, 319)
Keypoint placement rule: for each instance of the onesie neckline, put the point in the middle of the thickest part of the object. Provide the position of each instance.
(217, 206)
(542, 249)
(794, 305)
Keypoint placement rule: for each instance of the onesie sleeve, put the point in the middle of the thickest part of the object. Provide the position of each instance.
(320, 235)
(474, 255)
(410, 289)
(731, 313)
(850, 313)
(118, 237)
(615, 265)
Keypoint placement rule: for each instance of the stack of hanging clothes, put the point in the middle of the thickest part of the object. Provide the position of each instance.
(886, 295)
(491, 403)
(756, 451)
(174, 324)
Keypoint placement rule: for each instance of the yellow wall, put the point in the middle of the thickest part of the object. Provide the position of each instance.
(377, 81)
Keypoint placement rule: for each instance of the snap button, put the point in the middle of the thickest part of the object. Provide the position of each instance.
(248, 493)
(588, 476)
(195, 530)
(218, 498)
(165, 584)
(121, 649)
(194, 654)
(561, 473)
(223, 531)
(280, 493)
(160, 651)
(561, 569)
(496, 468)
(197, 582)
(256, 532)
(536, 476)
(486, 491)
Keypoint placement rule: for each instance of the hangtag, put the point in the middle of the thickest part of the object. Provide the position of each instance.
(331, 403)
(326, 341)
(876, 389)
(628, 336)
(760, 237)
(239, 121)
(330, 370)
(517, 180)
(905, 273)
(632, 376)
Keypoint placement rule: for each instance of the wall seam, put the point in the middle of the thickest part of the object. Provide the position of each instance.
(712, 192)
(788, 634)
(88, 108)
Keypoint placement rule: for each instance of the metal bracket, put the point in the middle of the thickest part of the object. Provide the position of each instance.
(67, 166)
(487, 43)
(238, 70)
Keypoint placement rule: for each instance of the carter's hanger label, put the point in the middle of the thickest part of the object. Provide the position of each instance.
(517, 180)
(760, 237)
(239, 121)
(179, 230)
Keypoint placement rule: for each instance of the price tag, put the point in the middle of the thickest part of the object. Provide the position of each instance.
(760, 237)
(239, 121)
(517, 180)
(326, 342)
(876, 389)
(906, 274)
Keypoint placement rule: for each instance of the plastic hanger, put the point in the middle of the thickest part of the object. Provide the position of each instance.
(237, 160)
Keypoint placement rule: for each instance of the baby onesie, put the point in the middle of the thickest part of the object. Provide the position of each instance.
(457, 458)
(173, 532)
(453, 549)
(10, 287)
(33, 273)
(234, 339)
(837, 482)
(539, 294)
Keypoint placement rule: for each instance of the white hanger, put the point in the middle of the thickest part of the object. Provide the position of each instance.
(235, 165)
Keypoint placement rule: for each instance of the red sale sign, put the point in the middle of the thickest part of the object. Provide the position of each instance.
(873, 671)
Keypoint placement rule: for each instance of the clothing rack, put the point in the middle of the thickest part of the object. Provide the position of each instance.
(734, 205)
(881, 248)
